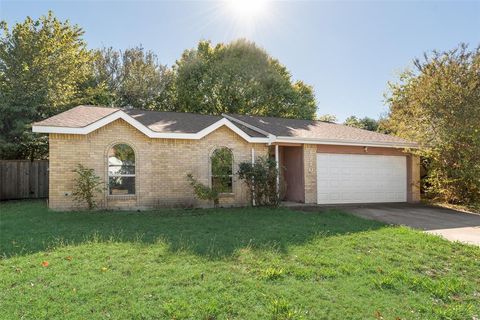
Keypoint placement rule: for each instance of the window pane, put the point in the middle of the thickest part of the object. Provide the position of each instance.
(222, 184)
(119, 170)
(121, 160)
(121, 185)
(222, 160)
(124, 153)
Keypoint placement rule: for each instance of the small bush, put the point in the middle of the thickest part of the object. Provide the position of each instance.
(86, 185)
(261, 180)
(202, 191)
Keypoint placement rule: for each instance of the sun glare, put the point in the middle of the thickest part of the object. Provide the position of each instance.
(248, 9)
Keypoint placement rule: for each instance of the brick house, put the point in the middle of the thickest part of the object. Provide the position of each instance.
(143, 158)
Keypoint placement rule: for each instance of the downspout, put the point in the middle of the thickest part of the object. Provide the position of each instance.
(253, 187)
(277, 165)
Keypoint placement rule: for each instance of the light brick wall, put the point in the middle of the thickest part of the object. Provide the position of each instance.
(161, 166)
(310, 172)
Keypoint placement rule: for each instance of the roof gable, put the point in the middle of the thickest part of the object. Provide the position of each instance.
(77, 117)
(172, 126)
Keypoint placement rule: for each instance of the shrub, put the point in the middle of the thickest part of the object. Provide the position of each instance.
(86, 185)
(437, 105)
(202, 191)
(261, 180)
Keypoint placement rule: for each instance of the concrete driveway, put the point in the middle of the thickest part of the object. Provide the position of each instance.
(450, 224)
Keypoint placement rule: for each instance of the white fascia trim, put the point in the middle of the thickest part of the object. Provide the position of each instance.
(199, 135)
(93, 126)
(243, 123)
(233, 127)
(344, 142)
(147, 131)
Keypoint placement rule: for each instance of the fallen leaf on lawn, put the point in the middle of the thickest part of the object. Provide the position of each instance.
(69, 258)
(45, 264)
(378, 315)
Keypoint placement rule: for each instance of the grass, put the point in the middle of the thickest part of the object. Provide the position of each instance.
(227, 264)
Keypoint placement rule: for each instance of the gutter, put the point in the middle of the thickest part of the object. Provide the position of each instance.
(280, 139)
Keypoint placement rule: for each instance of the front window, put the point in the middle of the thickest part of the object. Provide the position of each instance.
(222, 170)
(121, 170)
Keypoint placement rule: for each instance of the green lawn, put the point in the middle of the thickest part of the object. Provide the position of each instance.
(227, 264)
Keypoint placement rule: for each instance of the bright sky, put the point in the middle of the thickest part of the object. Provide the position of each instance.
(346, 50)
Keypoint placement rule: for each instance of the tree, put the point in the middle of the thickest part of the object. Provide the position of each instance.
(327, 118)
(133, 77)
(44, 68)
(238, 77)
(362, 123)
(438, 105)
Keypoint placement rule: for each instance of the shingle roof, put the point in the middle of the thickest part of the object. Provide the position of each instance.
(179, 122)
(313, 129)
(77, 117)
(172, 122)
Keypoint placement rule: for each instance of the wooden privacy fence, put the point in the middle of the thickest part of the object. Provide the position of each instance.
(23, 179)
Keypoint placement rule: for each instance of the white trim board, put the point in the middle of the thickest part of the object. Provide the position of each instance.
(243, 123)
(147, 131)
(225, 121)
(337, 142)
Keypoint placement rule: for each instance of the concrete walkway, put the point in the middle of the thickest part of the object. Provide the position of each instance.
(450, 224)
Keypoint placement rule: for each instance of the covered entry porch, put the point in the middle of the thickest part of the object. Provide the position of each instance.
(290, 162)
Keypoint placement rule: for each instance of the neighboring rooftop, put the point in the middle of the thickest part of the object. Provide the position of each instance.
(253, 126)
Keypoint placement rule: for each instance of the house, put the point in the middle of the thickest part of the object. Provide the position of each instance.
(144, 156)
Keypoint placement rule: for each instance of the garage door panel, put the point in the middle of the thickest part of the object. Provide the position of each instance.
(361, 178)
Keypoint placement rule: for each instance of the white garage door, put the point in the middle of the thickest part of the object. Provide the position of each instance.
(351, 178)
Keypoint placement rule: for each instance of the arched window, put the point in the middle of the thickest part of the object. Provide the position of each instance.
(222, 170)
(121, 170)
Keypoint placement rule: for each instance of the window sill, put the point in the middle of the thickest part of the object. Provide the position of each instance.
(122, 197)
(226, 195)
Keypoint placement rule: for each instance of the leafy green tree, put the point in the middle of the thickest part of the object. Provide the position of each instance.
(132, 77)
(44, 66)
(327, 118)
(362, 123)
(238, 77)
(438, 105)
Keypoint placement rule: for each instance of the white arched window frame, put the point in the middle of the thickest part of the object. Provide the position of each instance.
(221, 170)
(121, 170)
